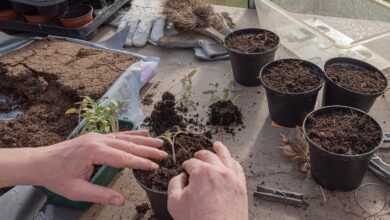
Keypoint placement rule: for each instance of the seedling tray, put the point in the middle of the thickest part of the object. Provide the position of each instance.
(101, 16)
(125, 89)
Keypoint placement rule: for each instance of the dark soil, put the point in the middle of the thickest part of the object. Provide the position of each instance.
(143, 208)
(344, 132)
(186, 144)
(291, 76)
(164, 116)
(253, 43)
(148, 100)
(356, 78)
(49, 77)
(224, 113)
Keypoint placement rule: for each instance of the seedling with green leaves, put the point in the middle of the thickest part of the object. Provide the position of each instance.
(100, 117)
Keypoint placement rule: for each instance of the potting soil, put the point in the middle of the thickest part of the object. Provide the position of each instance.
(291, 76)
(185, 146)
(253, 43)
(344, 132)
(49, 76)
(356, 78)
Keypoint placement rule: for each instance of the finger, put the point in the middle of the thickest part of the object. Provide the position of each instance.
(147, 141)
(223, 153)
(138, 150)
(208, 157)
(176, 185)
(81, 190)
(193, 165)
(144, 133)
(120, 159)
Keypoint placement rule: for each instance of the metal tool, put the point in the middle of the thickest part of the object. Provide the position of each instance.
(285, 197)
(378, 167)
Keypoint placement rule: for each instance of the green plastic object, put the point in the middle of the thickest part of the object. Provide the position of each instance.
(103, 176)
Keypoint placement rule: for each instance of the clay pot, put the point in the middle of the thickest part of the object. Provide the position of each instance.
(77, 17)
(7, 15)
(37, 19)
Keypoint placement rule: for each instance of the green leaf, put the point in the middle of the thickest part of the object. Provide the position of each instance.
(72, 111)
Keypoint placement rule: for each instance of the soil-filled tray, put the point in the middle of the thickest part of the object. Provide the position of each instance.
(44, 79)
(55, 28)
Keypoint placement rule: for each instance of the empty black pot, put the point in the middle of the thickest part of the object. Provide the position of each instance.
(337, 95)
(246, 66)
(158, 200)
(337, 171)
(290, 109)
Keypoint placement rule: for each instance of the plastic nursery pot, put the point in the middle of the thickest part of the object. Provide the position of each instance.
(158, 200)
(7, 15)
(50, 8)
(246, 66)
(290, 109)
(37, 19)
(77, 17)
(337, 95)
(6, 11)
(333, 171)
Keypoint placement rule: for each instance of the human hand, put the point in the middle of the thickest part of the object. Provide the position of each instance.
(66, 168)
(216, 188)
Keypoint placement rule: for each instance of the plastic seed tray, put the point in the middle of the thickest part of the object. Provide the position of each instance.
(101, 16)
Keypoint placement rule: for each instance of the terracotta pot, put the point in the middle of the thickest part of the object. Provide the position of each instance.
(7, 15)
(37, 19)
(77, 17)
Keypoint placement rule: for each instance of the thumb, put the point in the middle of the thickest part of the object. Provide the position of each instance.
(176, 186)
(81, 190)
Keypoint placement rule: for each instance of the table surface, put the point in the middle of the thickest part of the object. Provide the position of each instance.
(256, 147)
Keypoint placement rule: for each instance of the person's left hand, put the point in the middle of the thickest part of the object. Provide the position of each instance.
(67, 167)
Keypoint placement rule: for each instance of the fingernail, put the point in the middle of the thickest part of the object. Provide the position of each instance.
(160, 141)
(154, 166)
(164, 154)
(116, 200)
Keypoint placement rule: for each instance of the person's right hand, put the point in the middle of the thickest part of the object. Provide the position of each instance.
(66, 168)
(216, 188)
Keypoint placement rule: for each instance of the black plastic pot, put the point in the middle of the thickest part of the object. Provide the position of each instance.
(49, 10)
(337, 95)
(337, 171)
(158, 200)
(5, 5)
(246, 66)
(290, 109)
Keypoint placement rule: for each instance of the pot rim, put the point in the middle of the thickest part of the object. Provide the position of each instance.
(252, 29)
(147, 188)
(91, 9)
(317, 88)
(326, 108)
(360, 63)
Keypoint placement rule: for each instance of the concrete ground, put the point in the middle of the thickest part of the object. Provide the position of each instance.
(256, 147)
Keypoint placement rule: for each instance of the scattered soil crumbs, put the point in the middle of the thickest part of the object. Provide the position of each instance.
(253, 43)
(291, 76)
(49, 77)
(148, 100)
(165, 115)
(143, 208)
(185, 145)
(356, 78)
(344, 132)
(225, 114)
